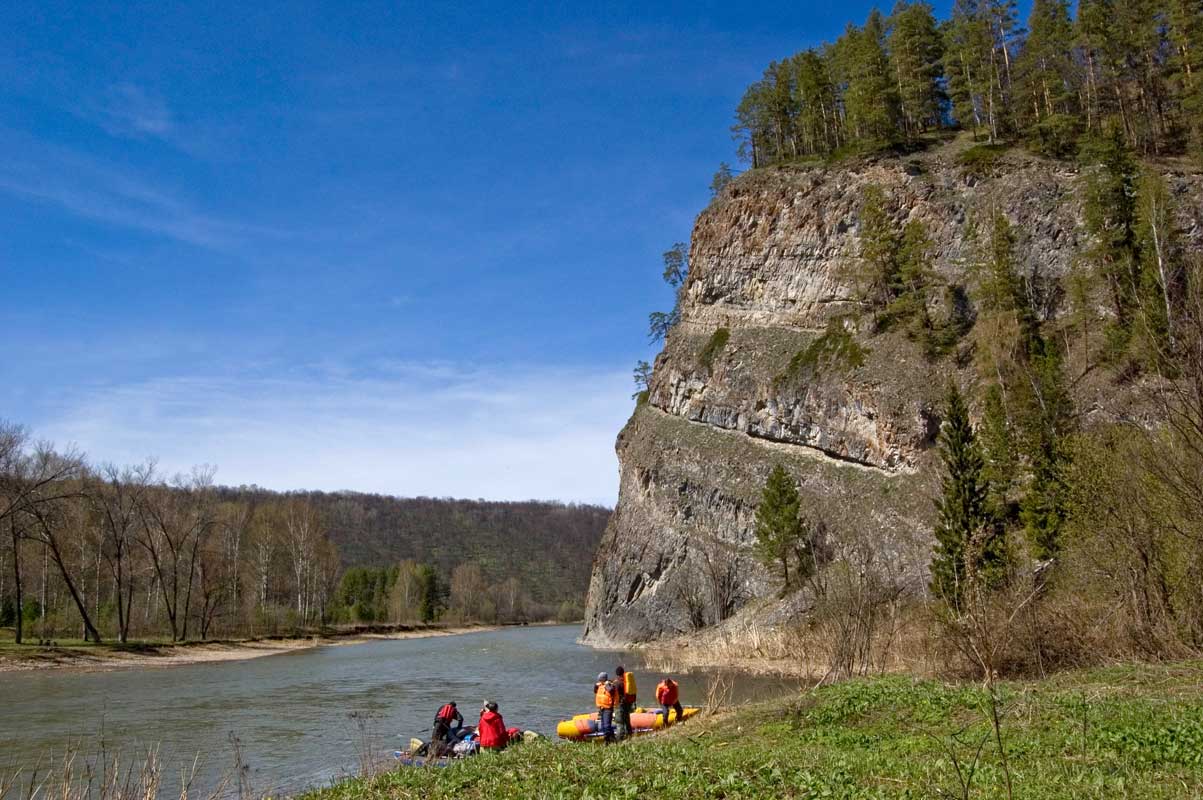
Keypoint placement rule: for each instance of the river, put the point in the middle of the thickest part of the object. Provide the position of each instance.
(303, 718)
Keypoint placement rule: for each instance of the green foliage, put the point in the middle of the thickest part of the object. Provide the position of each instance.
(1046, 422)
(1163, 273)
(879, 241)
(1110, 215)
(916, 51)
(431, 593)
(1000, 457)
(781, 534)
(981, 160)
(1046, 108)
(967, 542)
(8, 612)
(722, 178)
(1088, 736)
(365, 590)
(676, 271)
(1136, 64)
(895, 277)
(714, 346)
(643, 378)
(835, 348)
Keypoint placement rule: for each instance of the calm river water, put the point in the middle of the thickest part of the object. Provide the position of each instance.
(292, 712)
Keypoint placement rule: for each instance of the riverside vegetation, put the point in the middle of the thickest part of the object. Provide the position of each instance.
(96, 552)
(1117, 732)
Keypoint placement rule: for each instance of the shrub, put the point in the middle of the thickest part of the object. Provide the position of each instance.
(716, 344)
(834, 348)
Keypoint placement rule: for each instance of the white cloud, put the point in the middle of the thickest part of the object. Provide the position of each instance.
(410, 429)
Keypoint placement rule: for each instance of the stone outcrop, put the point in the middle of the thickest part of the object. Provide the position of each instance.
(772, 261)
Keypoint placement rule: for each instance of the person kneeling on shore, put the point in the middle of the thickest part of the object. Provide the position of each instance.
(493, 736)
(668, 696)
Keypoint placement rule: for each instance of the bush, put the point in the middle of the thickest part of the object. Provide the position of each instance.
(981, 160)
(835, 348)
(718, 341)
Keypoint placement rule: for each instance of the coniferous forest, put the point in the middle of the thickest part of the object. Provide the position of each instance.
(1049, 82)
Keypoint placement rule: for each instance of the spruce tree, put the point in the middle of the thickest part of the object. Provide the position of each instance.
(877, 275)
(1110, 215)
(965, 537)
(1047, 416)
(779, 524)
(1000, 459)
(913, 277)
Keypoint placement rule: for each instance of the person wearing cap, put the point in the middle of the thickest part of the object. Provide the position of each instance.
(605, 696)
(624, 683)
(491, 728)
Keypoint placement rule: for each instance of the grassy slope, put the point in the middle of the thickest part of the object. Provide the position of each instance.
(1121, 732)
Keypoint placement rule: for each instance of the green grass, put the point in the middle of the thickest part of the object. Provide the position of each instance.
(981, 160)
(716, 344)
(835, 348)
(1134, 732)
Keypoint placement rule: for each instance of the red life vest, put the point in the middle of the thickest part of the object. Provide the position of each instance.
(447, 713)
(492, 730)
(666, 692)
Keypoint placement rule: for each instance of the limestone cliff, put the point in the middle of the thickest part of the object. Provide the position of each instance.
(771, 261)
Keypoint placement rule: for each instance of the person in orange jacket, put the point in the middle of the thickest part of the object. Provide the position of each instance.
(605, 697)
(668, 696)
(624, 682)
(491, 729)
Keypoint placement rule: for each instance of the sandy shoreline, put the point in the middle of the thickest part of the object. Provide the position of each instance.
(104, 657)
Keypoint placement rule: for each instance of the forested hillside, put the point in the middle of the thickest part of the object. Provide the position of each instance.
(104, 552)
(1133, 63)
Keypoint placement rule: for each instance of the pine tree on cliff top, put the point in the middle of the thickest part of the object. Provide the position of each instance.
(964, 524)
(779, 524)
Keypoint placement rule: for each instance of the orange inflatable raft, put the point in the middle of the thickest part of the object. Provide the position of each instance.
(583, 727)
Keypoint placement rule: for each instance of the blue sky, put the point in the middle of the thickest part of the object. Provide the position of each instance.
(388, 246)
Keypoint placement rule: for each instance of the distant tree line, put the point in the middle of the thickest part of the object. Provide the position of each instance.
(1134, 64)
(106, 552)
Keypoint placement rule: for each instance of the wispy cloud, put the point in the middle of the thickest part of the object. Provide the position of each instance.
(436, 429)
(86, 188)
(127, 109)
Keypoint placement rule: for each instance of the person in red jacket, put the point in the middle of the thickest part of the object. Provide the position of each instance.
(491, 729)
(668, 696)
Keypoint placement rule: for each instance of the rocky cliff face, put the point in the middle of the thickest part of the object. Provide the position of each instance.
(772, 261)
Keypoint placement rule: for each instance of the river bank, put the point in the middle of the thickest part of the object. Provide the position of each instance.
(1130, 731)
(77, 655)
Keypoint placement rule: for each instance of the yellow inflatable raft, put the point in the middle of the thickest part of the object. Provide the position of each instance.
(583, 727)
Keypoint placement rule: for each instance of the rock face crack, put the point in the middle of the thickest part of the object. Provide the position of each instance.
(815, 453)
